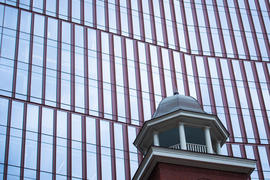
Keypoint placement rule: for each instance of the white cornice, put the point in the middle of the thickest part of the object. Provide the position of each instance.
(194, 159)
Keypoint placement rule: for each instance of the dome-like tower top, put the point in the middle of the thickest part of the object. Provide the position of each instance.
(177, 102)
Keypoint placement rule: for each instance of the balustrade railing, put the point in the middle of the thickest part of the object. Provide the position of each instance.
(192, 147)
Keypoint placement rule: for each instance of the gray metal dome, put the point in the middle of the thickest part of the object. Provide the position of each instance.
(177, 102)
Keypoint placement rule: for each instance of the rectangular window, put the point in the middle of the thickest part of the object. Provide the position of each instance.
(190, 76)
(179, 74)
(91, 148)
(119, 151)
(88, 14)
(76, 11)
(124, 17)
(106, 168)
(135, 20)
(169, 24)
(100, 10)
(147, 22)
(132, 150)
(112, 16)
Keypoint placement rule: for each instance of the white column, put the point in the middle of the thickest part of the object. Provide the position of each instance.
(156, 139)
(218, 150)
(208, 139)
(182, 136)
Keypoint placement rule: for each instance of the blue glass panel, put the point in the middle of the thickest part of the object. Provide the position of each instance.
(10, 20)
(3, 111)
(30, 154)
(2, 148)
(47, 121)
(32, 118)
(61, 160)
(91, 166)
(77, 163)
(14, 157)
(46, 159)
(17, 114)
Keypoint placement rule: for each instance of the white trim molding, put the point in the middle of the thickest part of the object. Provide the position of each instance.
(193, 159)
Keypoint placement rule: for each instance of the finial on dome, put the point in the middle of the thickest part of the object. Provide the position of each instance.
(175, 91)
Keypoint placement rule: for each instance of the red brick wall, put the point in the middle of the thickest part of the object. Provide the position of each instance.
(164, 171)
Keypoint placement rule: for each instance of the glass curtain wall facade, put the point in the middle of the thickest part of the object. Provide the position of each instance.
(78, 78)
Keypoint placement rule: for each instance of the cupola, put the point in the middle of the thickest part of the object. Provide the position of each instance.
(180, 123)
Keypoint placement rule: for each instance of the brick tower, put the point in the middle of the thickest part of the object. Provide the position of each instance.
(182, 142)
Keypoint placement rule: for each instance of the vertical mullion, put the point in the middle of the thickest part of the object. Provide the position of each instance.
(196, 26)
(106, 9)
(16, 54)
(31, 5)
(69, 147)
(44, 6)
(230, 29)
(224, 99)
(82, 11)
(261, 101)
(86, 81)
(100, 78)
(30, 58)
(57, 10)
(152, 20)
(175, 32)
(220, 33)
(54, 144)
(229, 150)
(84, 155)
(94, 13)
(267, 3)
(163, 21)
(264, 33)
(98, 146)
(150, 79)
(161, 73)
(258, 163)
(172, 67)
(7, 140)
(59, 58)
(126, 83)
(129, 14)
(118, 17)
(69, 10)
(242, 31)
(183, 13)
(113, 161)
(113, 78)
(72, 46)
(138, 83)
(253, 31)
(250, 105)
(196, 80)
(39, 142)
(267, 77)
(23, 141)
(44, 61)
(208, 29)
(126, 152)
(142, 32)
(184, 71)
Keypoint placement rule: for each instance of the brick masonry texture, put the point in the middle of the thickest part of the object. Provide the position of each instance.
(164, 171)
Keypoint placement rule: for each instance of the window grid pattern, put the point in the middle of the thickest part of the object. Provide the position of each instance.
(79, 79)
